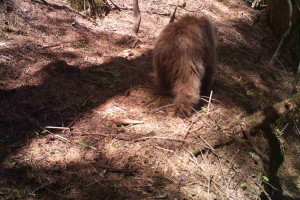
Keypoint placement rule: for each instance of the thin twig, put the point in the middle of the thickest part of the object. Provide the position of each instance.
(37, 124)
(191, 125)
(233, 157)
(173, 15)
(158, 147)
(74, 121)
(157, 109)
(161, 138)
(264, 191)
(126, 121)
(209, 101)
(281, 132)
(57, 127)
(270, 185)
(38, 188)
(151, 101)
(211, 148)
(206, 97)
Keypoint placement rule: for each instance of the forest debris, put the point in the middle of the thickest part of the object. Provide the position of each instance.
(56, 127)
(256, 120)
(160, 138)
(33, 121)
(183, 5)
(209, 101)
(126, 121)
(173, 15)
(264, 191)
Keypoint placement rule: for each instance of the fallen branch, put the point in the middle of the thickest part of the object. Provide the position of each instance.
(124, 121)
(160, 138)
(250, 123)
(173, 15)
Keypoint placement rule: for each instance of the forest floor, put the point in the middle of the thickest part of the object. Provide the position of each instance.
(61, 69)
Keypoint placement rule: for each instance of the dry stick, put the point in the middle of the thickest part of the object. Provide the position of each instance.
(210, 147)
(38, 188)
(151, 101)
(191, 125)
(161, 138)
(256, 120)
(158, 147)
(234, 157)
(204, 100)
(57, 127)
(173, 15)
(270, 185)
(281, 132)
(209, 101)
(264, 191)
(37, 124)
(157, 109)
(203, 97)
(197, 129)
(74, 121)
(126, 121)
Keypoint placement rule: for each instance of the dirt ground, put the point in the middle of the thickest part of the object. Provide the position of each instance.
(67, 81)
